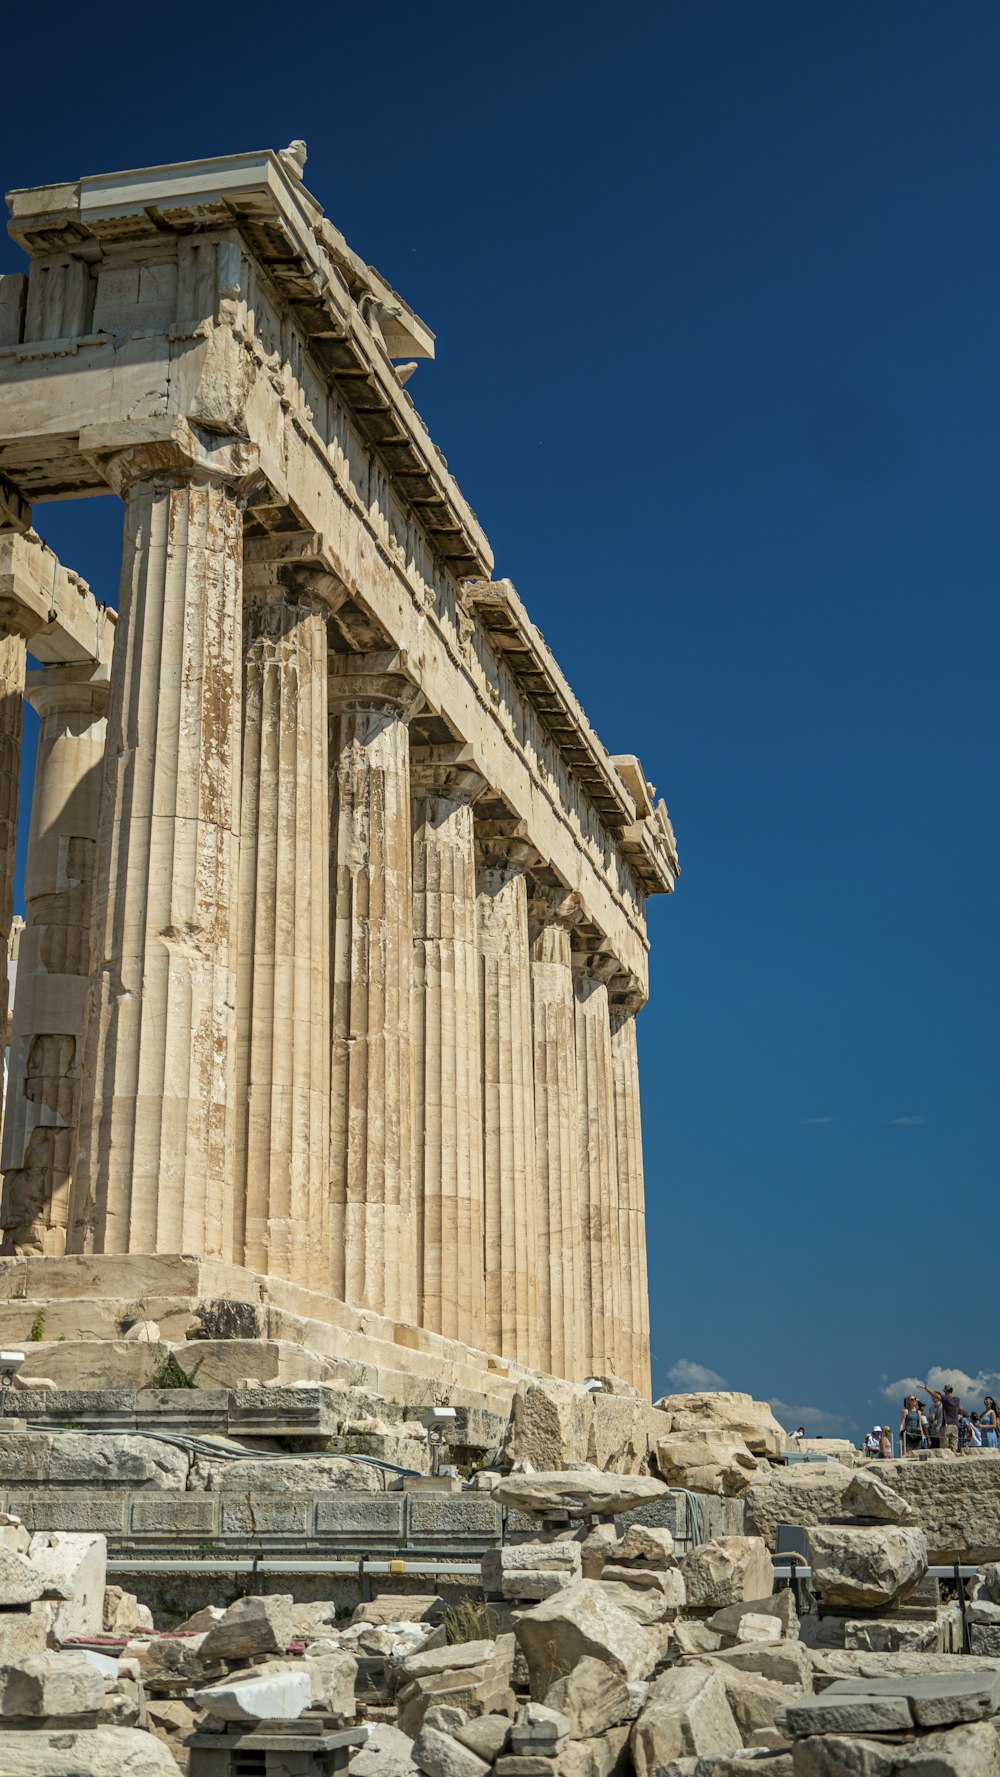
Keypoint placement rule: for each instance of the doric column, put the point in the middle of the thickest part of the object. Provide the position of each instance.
(448, 1122)
(511, 1207)
(157, 1126)
(553, 914)
(375, 1261)
(634, 1347)
(43, 1092)
(12, 664)
(283, 993)
(598, 1169)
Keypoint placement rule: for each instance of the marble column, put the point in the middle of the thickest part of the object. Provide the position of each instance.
(43, 1090)
(634, 1347)
(12, 665)
(448, 1123)
(158, 1123)
(375, 1255)
(511, 1207)
(560, 1309)
(283, 990)
(601, 1262)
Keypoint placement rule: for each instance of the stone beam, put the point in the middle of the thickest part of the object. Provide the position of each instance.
(51, 607)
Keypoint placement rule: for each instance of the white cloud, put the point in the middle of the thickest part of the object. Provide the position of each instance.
(905, 1122)
(688, 1377)
(815, 1419)
(966, 1387)
(808, 1122)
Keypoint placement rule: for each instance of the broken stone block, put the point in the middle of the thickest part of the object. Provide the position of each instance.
(391, 1607)
(539, 1730)
(755, 1626)
(524, 1764)
(478, 1690)
(720, 1465)
(787, 1662)
(76, 1563)
(582, 1621)
(601, 1544)
(883, 1635)
(56, 1684)
(13, 1534)
(866, 1568)
(579, 1492)
(847, 1714)
(687, 1715)
(935, 1700)
(868, 1497)
(250, 1626)
(727, 1570)
(486, 1735)
(593, 1696)
(263, 1696)
(166, 1664)
(20, 1581)
(972, 1750)
(447, 1659)
(780, 1605)
(84, 1752)
(171, 1719)
(606, 1755)
(122, 1614)
(755, 1701)
(646, 1604)
(203, 1620)
(439, 1755)
(23, 1632)
(333, 1676)
(729, 1413)
(650, 1544)
(667, 1581)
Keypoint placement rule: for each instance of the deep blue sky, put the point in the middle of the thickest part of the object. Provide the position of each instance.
(716, 293)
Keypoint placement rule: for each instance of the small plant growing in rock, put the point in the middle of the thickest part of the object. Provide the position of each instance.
(37, 1333)
(470, 1621)
(170, 1375)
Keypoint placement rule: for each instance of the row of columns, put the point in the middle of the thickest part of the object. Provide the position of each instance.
(333, 1031)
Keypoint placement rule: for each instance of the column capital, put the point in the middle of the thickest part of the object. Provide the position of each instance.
(551, 904)
(378, 681)
(446, 771)
(626, 995)
(81, 688)
(293, 566)
(594, 964)
(149, 451)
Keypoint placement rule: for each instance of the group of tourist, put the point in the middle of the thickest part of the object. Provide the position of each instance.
(942, 1425)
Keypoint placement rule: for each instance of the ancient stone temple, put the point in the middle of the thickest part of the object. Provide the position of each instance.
(335, 931)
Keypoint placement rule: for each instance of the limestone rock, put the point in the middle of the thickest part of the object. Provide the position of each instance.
(333, 1676)
(853, 1713)
(250, 1626)
(334, 1474)
(649, 1605)
(727, 1570)
(578, 1492)
(601, 1544)
(935, 1700)
(539, 1729)
(866, 1568)
(867, 1497)
(593, 1696)
(87, 1752)
(756, 1626)
(122, 1614)
(478, 1690)
(171, 1719)
(706, 1464)
(393, 1607)
(687, 1715)
(167, 1664)
(556, 1425)
(439, 1755)
(969, 1751)
(720, 1411)
(577, 1623)
(54, 1684)
(448, 1659)
(606, 1755)
(279, 1695)
(387, 1753)
(143, 1332)
(203, 1620)
(77, 1563)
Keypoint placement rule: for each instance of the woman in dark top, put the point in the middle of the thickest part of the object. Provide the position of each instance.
(910, 1431)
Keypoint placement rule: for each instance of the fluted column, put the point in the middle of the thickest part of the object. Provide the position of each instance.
(448, 1123)
(12, 664)
(560, 1309)
(43, 1090)
(511, 1206)
(158, 1124)
(634, 1347)
(283, 1021)
(375, 1261)
(601, 1284)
